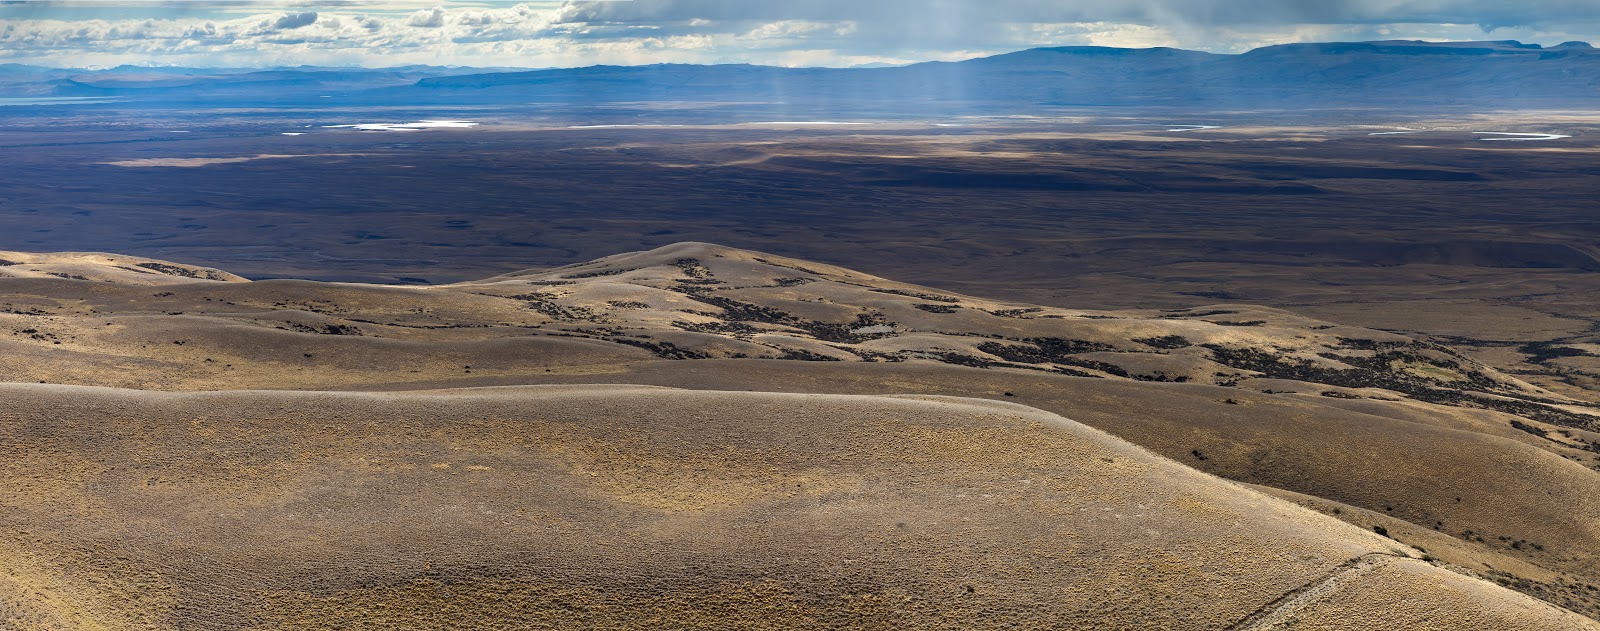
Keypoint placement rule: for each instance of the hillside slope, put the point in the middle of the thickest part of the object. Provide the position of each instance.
(1486, 473)
(632, 507)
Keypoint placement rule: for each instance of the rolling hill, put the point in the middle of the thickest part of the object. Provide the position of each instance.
(1368, 74)
(682, 435)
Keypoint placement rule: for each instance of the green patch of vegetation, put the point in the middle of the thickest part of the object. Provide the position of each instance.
(1541, 352)
(546, 305)
(1166, 342)
(1015, 313)
(608, 272)
(664, 350)
(734, 328)
(1426, 370)
(327, 329)
(1185, 313)
(174, 270)
(1105, 367)
(1372, 345)
(806, 356)
(692, 268)
(1379, 371)
(1043, 350)
(1054, 350)
(917, 294)
(739, 311)
(1161, 377)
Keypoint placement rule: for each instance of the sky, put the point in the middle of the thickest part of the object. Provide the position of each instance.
(839, 33)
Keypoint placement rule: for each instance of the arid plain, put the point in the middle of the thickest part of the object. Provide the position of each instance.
(1078, 372)
(1486, 244)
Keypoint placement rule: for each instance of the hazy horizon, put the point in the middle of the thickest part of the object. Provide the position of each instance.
(97, 68)
(808, 33)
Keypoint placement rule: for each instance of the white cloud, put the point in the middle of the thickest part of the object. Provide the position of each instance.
(431, 18)
(792, 29)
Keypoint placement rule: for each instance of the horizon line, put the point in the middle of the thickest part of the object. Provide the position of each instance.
(1507, 42)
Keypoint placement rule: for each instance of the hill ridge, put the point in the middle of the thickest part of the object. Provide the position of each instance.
(1398, 74)
(1373, 428)
(933, 511)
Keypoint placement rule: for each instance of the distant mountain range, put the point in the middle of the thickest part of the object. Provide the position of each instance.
(1369, 74)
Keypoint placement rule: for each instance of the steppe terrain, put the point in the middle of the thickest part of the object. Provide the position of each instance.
(698, 435)
(1140, 369)
(1071, 337)
(1441, 235)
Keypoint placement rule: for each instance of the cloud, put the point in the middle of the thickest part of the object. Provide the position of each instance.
(432, 18)
(1144, 12)
(782, 32)
(912, 28)
(289, 21)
